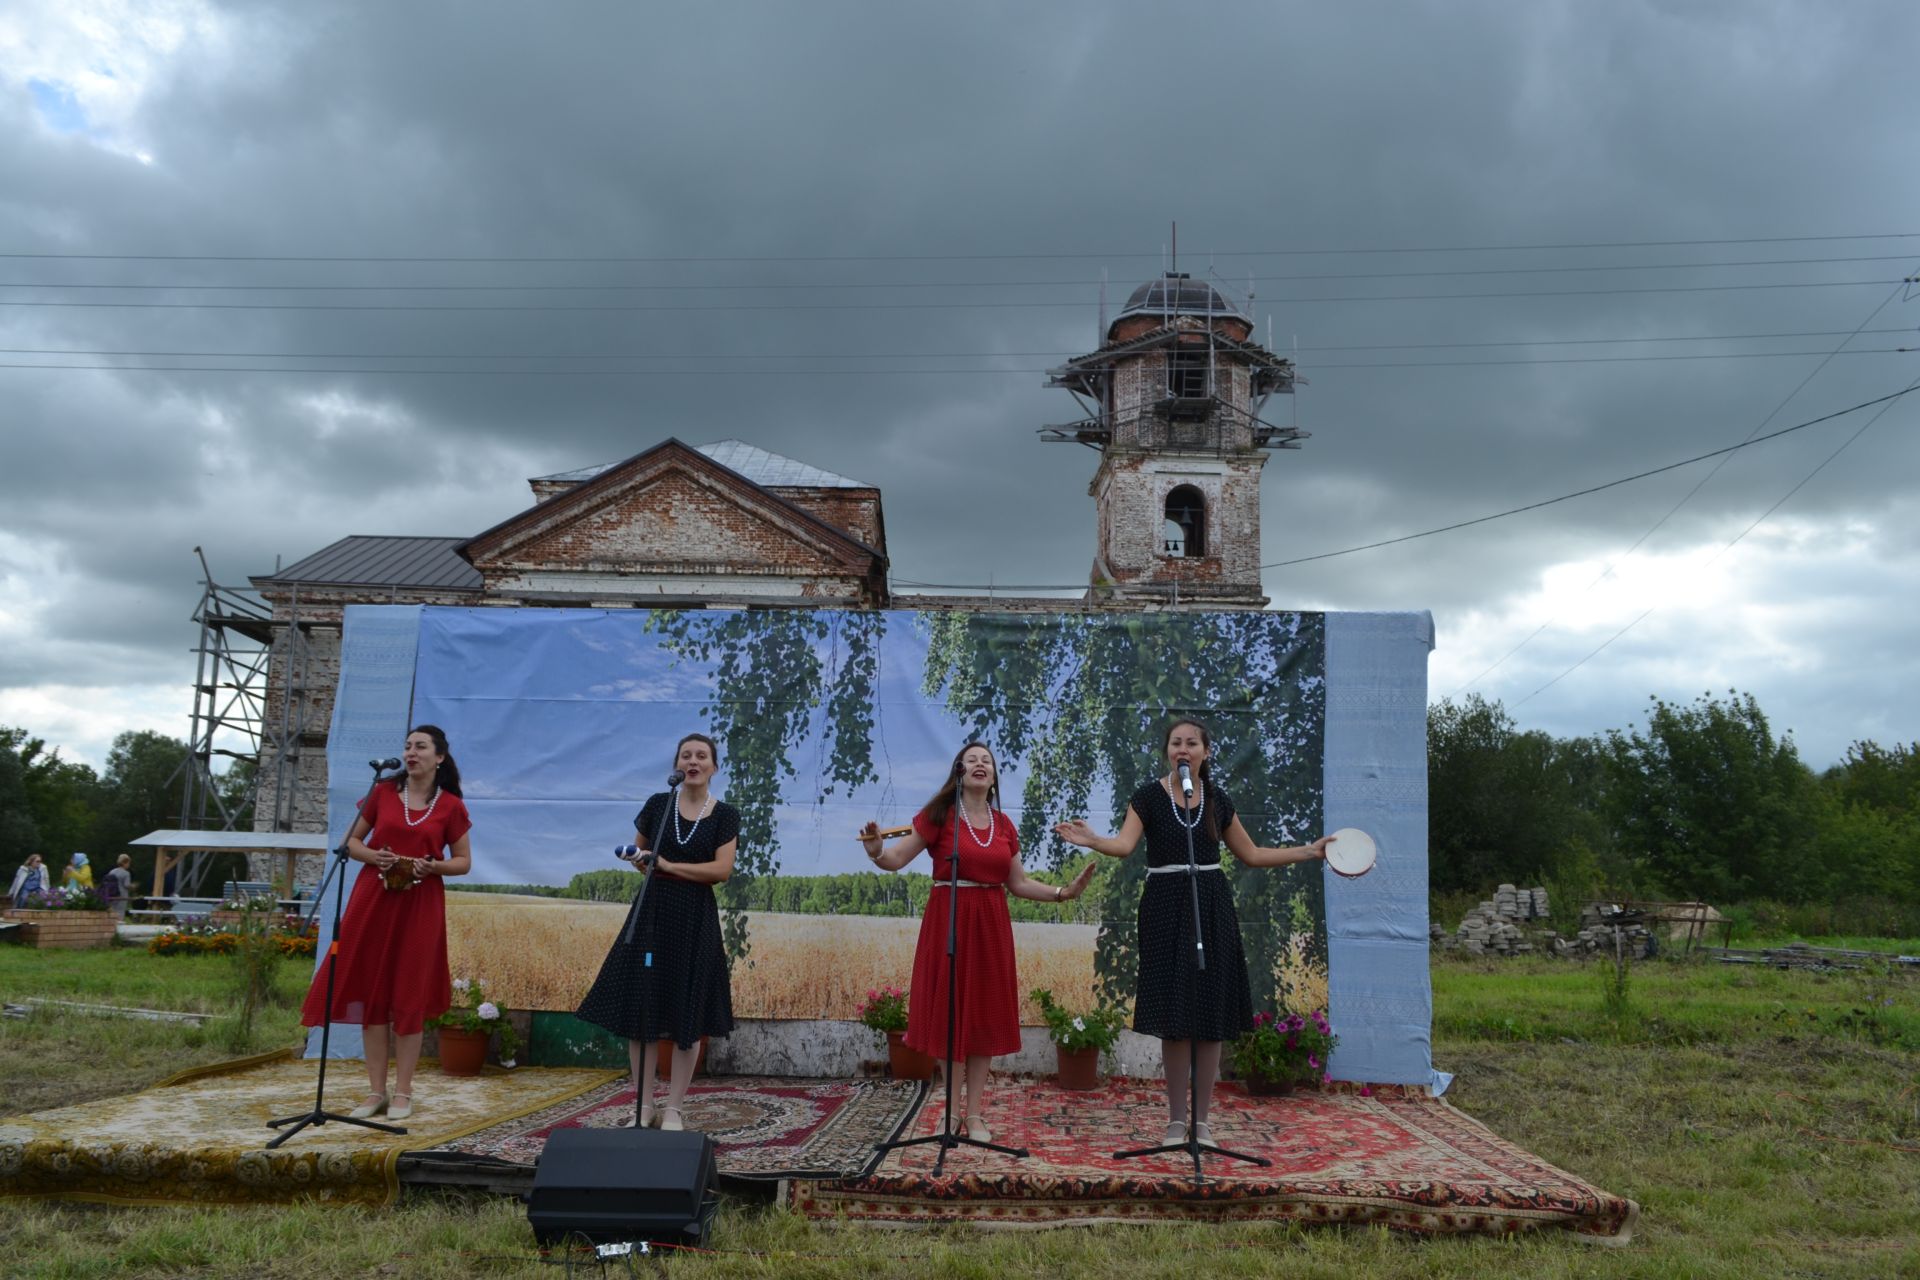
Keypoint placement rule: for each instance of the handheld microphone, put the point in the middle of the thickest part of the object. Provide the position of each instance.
(391, 762)
(1186, 779)
(675, 778)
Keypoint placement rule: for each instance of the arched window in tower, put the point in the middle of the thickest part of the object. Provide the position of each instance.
(1186, 527)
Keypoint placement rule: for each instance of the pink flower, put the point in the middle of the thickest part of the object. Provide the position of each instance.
(1293, 1041)
(1366, 1091)
(1325, 1078)
(1313, 1062)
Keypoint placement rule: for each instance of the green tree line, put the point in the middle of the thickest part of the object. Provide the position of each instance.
(56, 807)
(859, 893)
(1702, 801)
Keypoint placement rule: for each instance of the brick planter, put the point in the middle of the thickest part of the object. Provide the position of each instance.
(70, 929)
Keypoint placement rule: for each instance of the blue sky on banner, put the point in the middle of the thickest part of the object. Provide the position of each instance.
(562, 731)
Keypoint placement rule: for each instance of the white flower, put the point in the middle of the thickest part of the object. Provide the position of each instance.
(488, 1011)
(461, 985)
(1079, 1024)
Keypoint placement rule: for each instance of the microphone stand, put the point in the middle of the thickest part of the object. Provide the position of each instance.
(643, 1086)
(320, 1115)
(1193, 1146)
(946, 1138)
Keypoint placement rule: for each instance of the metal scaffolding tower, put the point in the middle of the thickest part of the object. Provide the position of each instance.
(232, 718)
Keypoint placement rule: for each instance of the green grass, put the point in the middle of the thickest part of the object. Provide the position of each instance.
(1765, 1127)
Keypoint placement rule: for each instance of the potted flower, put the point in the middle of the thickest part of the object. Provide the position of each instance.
(1283, 1051)
(469, 1026)
(885, 1011)
(1078, 1038)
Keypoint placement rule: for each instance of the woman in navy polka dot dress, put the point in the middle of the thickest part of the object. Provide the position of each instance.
(671, 982)
(1173, 998)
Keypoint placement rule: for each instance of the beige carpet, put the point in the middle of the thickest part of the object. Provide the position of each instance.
(199, 1137)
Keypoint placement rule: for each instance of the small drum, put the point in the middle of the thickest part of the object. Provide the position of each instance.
(1352, 853)
(398, 877)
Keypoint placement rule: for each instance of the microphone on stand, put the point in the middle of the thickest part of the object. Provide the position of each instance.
(391, 762)
(1186, 779)
(675, 778)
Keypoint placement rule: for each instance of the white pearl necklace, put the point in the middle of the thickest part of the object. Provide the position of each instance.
(1199, 810)
(967, 820)
(406, 806)
(705, 809)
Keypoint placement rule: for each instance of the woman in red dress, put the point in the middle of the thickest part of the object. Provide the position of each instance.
(987, 1004)
(392, 960)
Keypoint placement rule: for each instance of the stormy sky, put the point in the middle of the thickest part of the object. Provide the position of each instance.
(377, 264)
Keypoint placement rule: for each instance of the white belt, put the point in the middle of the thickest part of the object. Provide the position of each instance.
(1181, 867)
(968, 884)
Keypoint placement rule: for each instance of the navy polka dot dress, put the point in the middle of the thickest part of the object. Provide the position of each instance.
(1173, 998)
(684, 993)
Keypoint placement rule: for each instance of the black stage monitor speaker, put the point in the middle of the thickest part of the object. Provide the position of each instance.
(623, 1184)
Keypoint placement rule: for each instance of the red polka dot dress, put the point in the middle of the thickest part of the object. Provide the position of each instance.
(393, 943)
(987, 1015)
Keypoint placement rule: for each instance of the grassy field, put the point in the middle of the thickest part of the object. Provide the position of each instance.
(1767, 1122)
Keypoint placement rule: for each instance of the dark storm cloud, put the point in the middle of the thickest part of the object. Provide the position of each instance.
(824, 130)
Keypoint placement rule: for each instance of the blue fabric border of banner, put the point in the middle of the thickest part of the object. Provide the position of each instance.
(372, 707)
(1379, 983)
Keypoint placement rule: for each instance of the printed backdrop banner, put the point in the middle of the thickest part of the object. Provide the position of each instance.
(564, 721)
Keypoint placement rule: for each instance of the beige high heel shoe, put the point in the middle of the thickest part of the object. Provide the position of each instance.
(671, 1121)
(373, 1106)
(397, 1110)
(977, 1129)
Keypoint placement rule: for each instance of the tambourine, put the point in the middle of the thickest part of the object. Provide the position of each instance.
(1352, 853)
(399, 877)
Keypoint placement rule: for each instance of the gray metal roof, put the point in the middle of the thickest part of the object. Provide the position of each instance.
(238, 841)
(373, 561)
(769, 470)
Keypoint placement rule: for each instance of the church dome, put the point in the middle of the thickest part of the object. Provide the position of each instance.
(1177, 293)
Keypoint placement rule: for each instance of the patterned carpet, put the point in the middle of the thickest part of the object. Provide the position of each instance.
(199, 1137)
(1397, 1157)
(763, 1127)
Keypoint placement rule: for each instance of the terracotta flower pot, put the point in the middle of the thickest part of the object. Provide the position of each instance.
(663, 1058)
(463, 1053)
(905, 1063)
(1078, 1068)
(1261, 1087)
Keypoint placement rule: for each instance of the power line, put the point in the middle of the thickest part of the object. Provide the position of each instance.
(941, 257)
(998, 305)
(1843, 446)
(391, 287)
(1688, 496)
(849, 373)
(915, 355)
(1598, 488)
(1498, 515)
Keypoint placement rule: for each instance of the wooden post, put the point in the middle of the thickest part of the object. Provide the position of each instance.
(163, 861)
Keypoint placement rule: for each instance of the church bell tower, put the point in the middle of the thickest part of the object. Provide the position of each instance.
(1173, 400)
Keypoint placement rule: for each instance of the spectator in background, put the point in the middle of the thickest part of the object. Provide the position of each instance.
(30, 878)
(79, 875)
(118, 887)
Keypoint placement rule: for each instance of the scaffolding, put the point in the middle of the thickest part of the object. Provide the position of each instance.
(238, 718)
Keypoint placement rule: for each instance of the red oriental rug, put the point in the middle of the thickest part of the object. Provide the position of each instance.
(1398, 1157)
(763, 1127)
